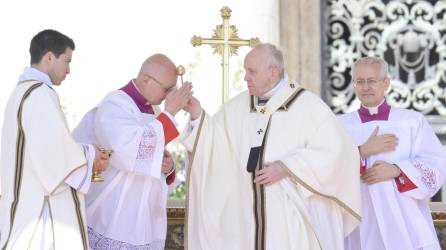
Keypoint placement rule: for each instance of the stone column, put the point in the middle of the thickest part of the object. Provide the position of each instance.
(300, 40)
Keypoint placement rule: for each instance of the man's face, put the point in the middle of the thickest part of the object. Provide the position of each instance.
(60, 67)
(158, 86)
(369, 85)
(257, 73)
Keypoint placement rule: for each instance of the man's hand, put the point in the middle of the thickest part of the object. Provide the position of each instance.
(101, 159)
(378, 144)
(193, 107)
(167, 165)
(380, 171)
(178, 98)
(270, 174)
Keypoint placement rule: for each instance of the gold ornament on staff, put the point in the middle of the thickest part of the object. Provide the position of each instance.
(180, 71)
(96, 175)
(225, 42)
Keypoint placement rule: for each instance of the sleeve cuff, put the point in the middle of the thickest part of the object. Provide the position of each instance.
(171, 117)
(362, 163)
(403, 183)
(194, 123)
(171, 177)
(170, 130)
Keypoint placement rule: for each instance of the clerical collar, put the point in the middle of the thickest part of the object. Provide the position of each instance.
(140, 101)
(379, 113)
(274, 90)
(30, 73)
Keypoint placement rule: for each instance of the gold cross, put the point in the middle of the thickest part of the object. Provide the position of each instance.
(263, 110)
(225, 42)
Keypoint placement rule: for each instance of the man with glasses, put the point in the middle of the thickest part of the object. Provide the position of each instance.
(403, 164)
(128, 209)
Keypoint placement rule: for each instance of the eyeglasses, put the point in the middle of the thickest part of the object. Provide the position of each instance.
(370, 82)
(161, 85)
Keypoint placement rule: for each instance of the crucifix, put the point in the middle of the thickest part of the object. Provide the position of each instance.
(225, 42)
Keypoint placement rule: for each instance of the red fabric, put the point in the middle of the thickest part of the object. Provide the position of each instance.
(171, 178)
(362, 169)
(170, 131)
(362, 163)
(403, 183)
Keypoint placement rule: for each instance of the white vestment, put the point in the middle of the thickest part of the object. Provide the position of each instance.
(313, 208)
(392, 219)
(128, 209)
(44, 173)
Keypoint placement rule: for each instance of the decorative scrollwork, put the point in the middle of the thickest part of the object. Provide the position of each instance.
(409, 34)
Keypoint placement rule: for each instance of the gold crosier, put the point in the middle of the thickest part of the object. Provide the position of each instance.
(225, 42)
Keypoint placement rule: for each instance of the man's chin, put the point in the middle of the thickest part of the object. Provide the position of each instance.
(253, 93)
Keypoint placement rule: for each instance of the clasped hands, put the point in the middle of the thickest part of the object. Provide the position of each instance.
(182, 98)
(380, 170)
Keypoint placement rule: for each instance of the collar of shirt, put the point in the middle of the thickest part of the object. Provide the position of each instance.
(131, 90)
(30, 73)
(278, 86)
(379, 113)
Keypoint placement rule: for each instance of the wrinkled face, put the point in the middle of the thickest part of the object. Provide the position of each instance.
(59, 67)
(370, 86)
(257, 73)
(157, 86)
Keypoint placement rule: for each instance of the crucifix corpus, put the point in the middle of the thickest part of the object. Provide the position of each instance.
(225, 42)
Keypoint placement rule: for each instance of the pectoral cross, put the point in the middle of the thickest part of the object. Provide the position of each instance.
(225, 42)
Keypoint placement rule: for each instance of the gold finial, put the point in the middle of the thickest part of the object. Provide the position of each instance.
(180, 71)
(196, 41)
(253, 42)
(225, 12)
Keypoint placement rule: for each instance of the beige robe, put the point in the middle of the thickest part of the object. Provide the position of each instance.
(315, 207)
(38, 155)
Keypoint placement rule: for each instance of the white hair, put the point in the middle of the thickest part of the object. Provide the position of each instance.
(275, 57)
(384, 68)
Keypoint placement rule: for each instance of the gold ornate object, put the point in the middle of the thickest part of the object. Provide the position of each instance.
(180, 71)
(225, 42)
(96, 175)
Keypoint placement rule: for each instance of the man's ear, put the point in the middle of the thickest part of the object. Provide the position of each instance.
(48, 58)
(274, 71)
(387, 83)
(146, 78)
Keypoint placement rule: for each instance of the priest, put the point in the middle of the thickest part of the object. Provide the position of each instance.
(273, 169)
(403, 164)
(128, 210)
(45, 173)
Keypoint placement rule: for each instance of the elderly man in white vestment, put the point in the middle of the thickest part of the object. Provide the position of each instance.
(128, 210)
(273, 169)
(403, 164)
(45, 173)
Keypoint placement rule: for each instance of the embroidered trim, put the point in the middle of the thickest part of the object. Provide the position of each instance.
(99, 242)
(80, 220)
(19, 161)
(147, 145)
(299, 181)
(428, 176)
(188, 173)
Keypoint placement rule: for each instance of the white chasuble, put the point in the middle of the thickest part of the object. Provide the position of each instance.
(395, 217)
(38, 209)
(128, 209)
(314, 207)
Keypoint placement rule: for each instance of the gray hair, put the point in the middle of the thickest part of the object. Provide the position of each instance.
(275, 57)
(384, 68)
